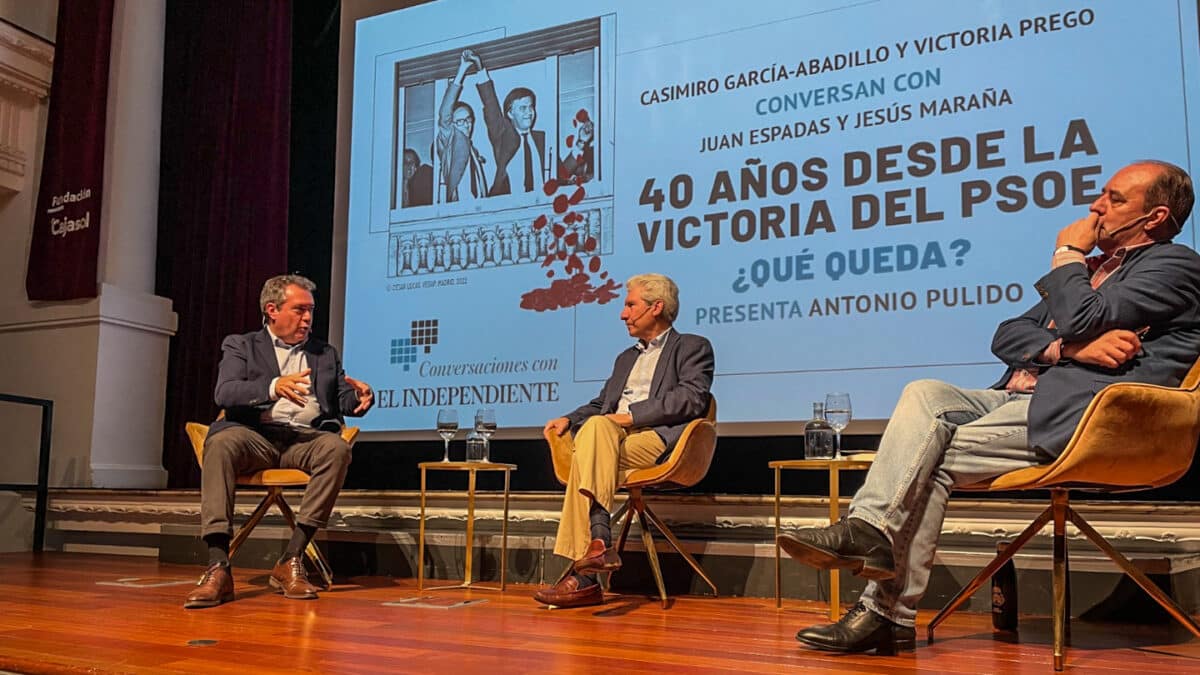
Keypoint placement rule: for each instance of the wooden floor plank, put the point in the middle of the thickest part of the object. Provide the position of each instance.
(58, 614)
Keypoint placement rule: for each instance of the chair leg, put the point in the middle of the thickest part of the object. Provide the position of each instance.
(630, 507)
(652, 556)
(255, 518)
(1058, 504)
(987, 572)
(666, 531)
(1137, 575)
(313, 552)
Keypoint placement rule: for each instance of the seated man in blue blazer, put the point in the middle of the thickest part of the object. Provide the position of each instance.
(657, 386)
(1131, 314)
(284, 394)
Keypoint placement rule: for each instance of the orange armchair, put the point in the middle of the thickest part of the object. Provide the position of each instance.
(684, 467)
(274, 480)
(1131, 437)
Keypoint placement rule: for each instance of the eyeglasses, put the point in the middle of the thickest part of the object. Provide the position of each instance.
(464, 122)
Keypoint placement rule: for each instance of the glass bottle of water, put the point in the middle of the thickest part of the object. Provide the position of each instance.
(818, 435)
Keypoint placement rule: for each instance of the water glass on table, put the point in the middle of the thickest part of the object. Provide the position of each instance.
(447, 427)
(485, 425)
(838, 414)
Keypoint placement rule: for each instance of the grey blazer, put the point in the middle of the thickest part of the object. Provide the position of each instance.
(1157, 286)
(679, 390)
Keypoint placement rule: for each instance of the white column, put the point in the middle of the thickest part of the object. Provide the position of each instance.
(135, 326)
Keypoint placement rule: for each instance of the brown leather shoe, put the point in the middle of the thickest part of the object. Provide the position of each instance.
(290, 578)
(598, 558)
(214, 588)
(567, 593)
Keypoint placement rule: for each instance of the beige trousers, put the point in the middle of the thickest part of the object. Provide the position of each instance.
(604, 453)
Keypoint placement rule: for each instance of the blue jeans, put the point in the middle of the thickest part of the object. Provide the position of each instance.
(939, 437)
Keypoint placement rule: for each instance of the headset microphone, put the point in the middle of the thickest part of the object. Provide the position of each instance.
(1128, 225)
(639, 316)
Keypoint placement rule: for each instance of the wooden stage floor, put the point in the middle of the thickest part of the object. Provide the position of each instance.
(62, 612)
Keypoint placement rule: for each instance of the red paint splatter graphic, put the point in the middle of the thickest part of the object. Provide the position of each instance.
(565, 249)
(568, 293)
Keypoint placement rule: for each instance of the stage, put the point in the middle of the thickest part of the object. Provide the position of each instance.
(69, 612)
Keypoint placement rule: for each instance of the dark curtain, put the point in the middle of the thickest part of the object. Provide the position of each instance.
(223, 200)
(64, 252)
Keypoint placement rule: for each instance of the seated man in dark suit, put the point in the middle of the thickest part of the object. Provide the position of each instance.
(657, 386)
(518, 148)
(284, 394)
(1131, 314)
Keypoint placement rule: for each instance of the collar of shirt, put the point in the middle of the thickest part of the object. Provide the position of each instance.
(1102, 266)
(280, 344)
(653, 344)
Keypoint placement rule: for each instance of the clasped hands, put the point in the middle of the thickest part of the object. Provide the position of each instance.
(559, 425)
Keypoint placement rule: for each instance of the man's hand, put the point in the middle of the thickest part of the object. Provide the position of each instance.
(472, 58)
(294, 387)
(1107, 351)
(558, 425)
(622, 419)
(366, 397)
(1081, 234)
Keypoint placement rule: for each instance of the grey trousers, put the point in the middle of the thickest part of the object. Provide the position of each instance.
(239, 450)
(939, 437)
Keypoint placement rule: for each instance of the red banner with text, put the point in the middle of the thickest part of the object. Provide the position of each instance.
(64, 253)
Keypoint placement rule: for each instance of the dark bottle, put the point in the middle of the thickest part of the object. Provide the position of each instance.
(818, 435)
(1004, 594)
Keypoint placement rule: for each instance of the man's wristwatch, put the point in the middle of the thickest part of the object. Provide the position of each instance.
(1067, 247)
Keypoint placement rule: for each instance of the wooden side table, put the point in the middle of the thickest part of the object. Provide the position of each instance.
(471, 468)
(853, 463)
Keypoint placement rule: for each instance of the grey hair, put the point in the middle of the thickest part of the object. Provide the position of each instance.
(657, 287)
(274, 291)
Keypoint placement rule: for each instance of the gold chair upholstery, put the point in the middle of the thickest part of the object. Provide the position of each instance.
(684, 467)
(274, 480)
(1131, 437)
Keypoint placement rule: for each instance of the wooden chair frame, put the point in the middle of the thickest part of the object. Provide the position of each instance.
(685, 466)
(1098, 458)
(274, 481)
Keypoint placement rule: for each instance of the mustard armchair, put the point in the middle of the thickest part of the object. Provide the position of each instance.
(274, 480)
(1131, 437)
(684, 467)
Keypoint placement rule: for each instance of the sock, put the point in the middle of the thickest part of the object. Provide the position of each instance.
(218, 548)
(300, 538)
(586, 580)
(601, 524)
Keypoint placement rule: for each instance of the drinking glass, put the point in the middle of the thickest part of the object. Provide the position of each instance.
(485, 424)
(447, 426)
(837, 413)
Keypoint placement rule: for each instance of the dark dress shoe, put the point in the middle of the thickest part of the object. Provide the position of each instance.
(290, 578)
(849, 543)
(214, 588)
(567, 593)
(860, 630)
(599, 558)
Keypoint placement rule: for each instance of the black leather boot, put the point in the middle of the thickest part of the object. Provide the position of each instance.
(860, 630)
(851, 543)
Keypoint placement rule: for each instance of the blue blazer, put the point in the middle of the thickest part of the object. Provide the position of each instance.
(1156, 286)
(679, 390)
(248, 364)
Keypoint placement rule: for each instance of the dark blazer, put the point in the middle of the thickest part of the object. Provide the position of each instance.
(679, 390)
(248, 364)
(506, 141)
(1156, 286)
